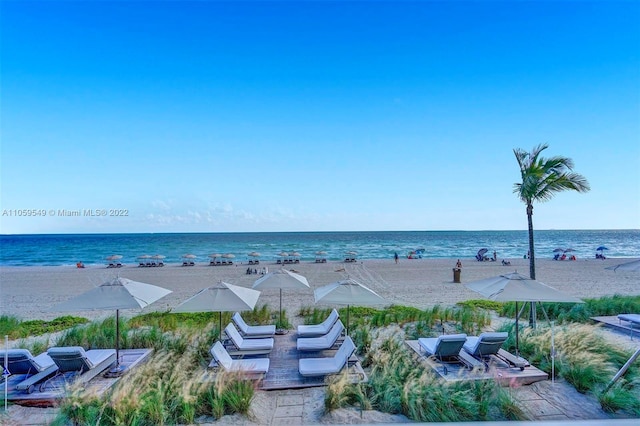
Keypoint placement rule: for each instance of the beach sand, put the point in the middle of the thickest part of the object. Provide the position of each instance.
(30, 292)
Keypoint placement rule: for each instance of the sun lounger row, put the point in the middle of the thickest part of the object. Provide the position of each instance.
(74, 363)
(150, 264)
(224, 262)
(449, 348)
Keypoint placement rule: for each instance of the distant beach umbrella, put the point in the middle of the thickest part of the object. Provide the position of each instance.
(347, 292)
(189, 256)
(518, 288)
(119, 293)
(228, 256)
(158, 256)
(569, 250)
(114, 257)
(281, 279)
(558, 250)
(283, 254)
(144, 256)
(295, 254)
(601, 248)
(222, 297)
(353, 253)
(633, 266)
(215, 255)
(482, 251)
(321, 253)
(254, 254)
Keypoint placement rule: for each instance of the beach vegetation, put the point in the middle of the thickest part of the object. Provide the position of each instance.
(580, 312)
(541, 179)
(399, 385)
(584, 359)
(16, 328)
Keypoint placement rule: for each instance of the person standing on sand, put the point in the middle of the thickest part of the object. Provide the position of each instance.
(459, 264)
(396, 257)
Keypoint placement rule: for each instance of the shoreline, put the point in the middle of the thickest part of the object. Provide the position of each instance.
(29, 292)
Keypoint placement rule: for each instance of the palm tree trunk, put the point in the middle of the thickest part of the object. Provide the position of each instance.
(532, 263)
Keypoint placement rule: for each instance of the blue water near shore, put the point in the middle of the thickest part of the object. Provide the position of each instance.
(54, 250)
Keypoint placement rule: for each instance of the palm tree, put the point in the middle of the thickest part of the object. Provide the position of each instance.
(542, 178)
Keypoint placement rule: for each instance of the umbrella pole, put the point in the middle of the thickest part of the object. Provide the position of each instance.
(280, 307)
(517, 331)
(347, 321)
(220, 327)
(117, 339)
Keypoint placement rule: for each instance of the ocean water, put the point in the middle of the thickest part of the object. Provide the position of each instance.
(57, 249)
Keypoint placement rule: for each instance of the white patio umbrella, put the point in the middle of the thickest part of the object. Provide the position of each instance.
(633, 266)
(347, 292)
(119, 293)
(114, 257)
(254, 254)
(518, 288)
(228, 256)
(281, 279)
(189, 256)
(215, 255)
(222, 297)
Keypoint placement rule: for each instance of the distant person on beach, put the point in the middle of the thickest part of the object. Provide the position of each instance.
(80, 265)
(396, 257)
(495, 256)
(459, 264)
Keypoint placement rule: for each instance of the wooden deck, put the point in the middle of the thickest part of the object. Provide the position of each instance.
(55, 388)
(625, 327)
(283, 366)
(473, 369)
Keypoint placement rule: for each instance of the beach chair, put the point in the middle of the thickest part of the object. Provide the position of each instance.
(310, 367)
(490, 344)
(222, 359)
(322, 342)
(252, 331)
(321, 329)
(444, 348)
(237, 346)
(79, 365)
(633, 319)
(35, 369)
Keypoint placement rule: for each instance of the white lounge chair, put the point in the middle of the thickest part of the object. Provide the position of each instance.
(310, 367)
(321, 329)
(444, 348)
(323, 342)
(222, 357)
(240, 346)
(35, 369)
(252, 331)
(634, 319)
(82, 365)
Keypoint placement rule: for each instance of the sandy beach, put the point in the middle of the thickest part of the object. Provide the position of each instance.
(30, 292)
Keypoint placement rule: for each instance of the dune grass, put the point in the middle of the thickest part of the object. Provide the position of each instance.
(580, 312)
(17, 329)
(584, 359)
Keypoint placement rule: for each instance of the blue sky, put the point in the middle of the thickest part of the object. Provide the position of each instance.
(314, 116)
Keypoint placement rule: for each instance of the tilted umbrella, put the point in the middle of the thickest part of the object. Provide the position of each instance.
(281, 279)
(119, 293)
(518, 288)
(601, 248)
(633, 266)
(558, 250)
(222, 297)
(347, 292)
